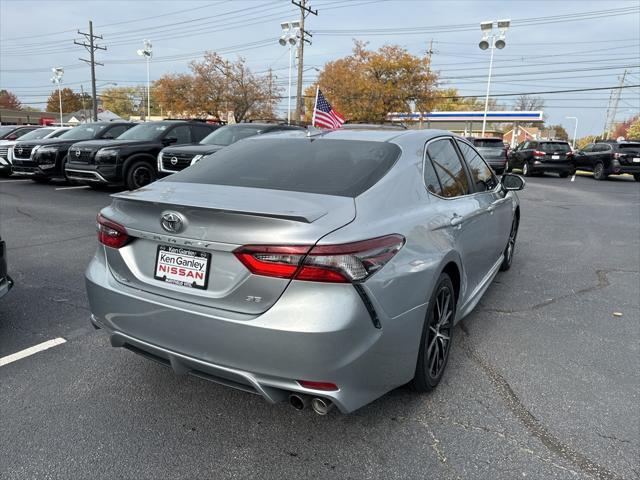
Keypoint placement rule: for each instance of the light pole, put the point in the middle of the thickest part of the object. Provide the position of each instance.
(492, 41)
(58, 72)
(147, 52)
(575, 131)
(290, 34)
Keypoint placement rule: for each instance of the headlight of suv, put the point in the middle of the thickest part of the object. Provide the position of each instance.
(107, 155)
(46, 154)
(196, 159)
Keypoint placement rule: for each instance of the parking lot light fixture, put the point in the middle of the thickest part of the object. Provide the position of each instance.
(58, 72)
(575, 131)
(290, 35)
(147, 53)
(491, 41)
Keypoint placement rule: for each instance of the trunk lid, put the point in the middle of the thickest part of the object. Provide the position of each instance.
(217, 220)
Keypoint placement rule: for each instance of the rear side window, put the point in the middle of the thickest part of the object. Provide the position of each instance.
(448, 168)
(324, 166)
(481, 174)
(181, 133)
(198, 132)
(115, 132)
(554, 147)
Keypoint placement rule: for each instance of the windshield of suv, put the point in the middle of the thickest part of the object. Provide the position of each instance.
(555, 147)
(37, 134)
(82, 132)
(230, 134)
(325, 166)
(145, 131)
(5, 130)
(488, 143)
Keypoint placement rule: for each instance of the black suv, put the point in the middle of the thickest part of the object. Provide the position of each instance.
(14, 132)
(45, 159)
(493, 150)
(542, 156)
(174, 159)
(131, 160)
(607, 157)
(5, 280)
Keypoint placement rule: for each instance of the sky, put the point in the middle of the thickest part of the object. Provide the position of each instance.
(551, 45)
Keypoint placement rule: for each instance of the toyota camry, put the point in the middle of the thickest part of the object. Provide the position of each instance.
(320, 269)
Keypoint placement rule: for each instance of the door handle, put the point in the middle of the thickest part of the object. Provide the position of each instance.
(456, 220)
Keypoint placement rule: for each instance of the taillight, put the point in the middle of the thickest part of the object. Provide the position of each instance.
(617, 156)
(345, 263)
(538, 153)
(318, 385)
(111, 234)
(570, 154)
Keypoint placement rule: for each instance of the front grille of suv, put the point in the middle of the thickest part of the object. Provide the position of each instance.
(182, 161)
(80, 155)
(22, 151)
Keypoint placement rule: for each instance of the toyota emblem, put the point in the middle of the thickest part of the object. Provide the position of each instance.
(174, 161)
(78, 152)
(172, 222)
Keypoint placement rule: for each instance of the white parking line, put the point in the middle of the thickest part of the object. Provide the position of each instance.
(72, 188)
(16, 180)
(573, 179)
(31, 350)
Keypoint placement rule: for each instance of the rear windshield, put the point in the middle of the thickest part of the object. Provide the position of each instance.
(552, 147)
(326, 166)
(630, 146)
(488, 143)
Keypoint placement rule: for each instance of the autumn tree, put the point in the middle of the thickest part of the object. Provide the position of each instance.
(584, 141)
(176, 94)
(633, 132)
(221, 86)
(123, 101)
(556, 131)
(71, 101)
(448, 100)
(622, 129)
(9, 100)
(367, 85)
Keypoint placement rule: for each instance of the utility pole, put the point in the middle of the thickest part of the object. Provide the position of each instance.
(304, 11)
(612, 109)
(91, 48)
(270, 102)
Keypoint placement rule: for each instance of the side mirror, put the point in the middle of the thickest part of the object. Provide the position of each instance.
(169, 141)
(511, 182)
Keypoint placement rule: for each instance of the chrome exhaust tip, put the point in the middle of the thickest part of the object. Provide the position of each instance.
(321, 406)
(299, 402)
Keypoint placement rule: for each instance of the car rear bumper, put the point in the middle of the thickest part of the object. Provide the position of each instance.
(630, 169)
(317, 332)
(558, 167)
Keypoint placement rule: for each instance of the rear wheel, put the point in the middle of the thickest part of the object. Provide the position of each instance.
(507, 256)
(140, 174)
(564, 174)
(526, 169)
(637, 177)
(437, 333)
(598, 171)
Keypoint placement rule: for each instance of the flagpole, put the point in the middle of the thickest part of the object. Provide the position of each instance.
(315, 104)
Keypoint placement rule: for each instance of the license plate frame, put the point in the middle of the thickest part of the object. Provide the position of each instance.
(636, 160)
(172, 275)
(555, 157)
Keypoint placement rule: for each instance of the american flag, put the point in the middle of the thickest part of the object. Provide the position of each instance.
(324, 115)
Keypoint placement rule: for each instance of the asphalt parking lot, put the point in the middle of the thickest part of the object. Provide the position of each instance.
(543, 381)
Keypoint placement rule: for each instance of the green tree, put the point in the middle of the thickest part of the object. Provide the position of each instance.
(633, 132)
(71, 101)
(9, 100)
(123, 101)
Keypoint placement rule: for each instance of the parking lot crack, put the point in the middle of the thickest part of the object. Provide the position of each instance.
(532, 424)
(603, 282)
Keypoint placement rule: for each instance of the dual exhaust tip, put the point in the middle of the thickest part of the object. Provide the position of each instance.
(321, 406)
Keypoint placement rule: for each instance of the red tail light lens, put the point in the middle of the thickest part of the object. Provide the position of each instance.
(326, 386)
(345, 263)
(570, 154)
(111, 234)
(538, 153)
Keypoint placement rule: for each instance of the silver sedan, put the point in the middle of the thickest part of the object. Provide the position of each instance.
(320, 269)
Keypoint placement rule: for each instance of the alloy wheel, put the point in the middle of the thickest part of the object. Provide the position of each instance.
(438, 337)
(142, 176)
(512, 242)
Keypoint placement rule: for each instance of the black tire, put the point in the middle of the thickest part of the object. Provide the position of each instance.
(507, 256)
(598, 171)
(526, 169)
(564, 174)
(636, 176)
(139, 174)
(63, 167)
(42, 180)
(507, 167)
(436, 338)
